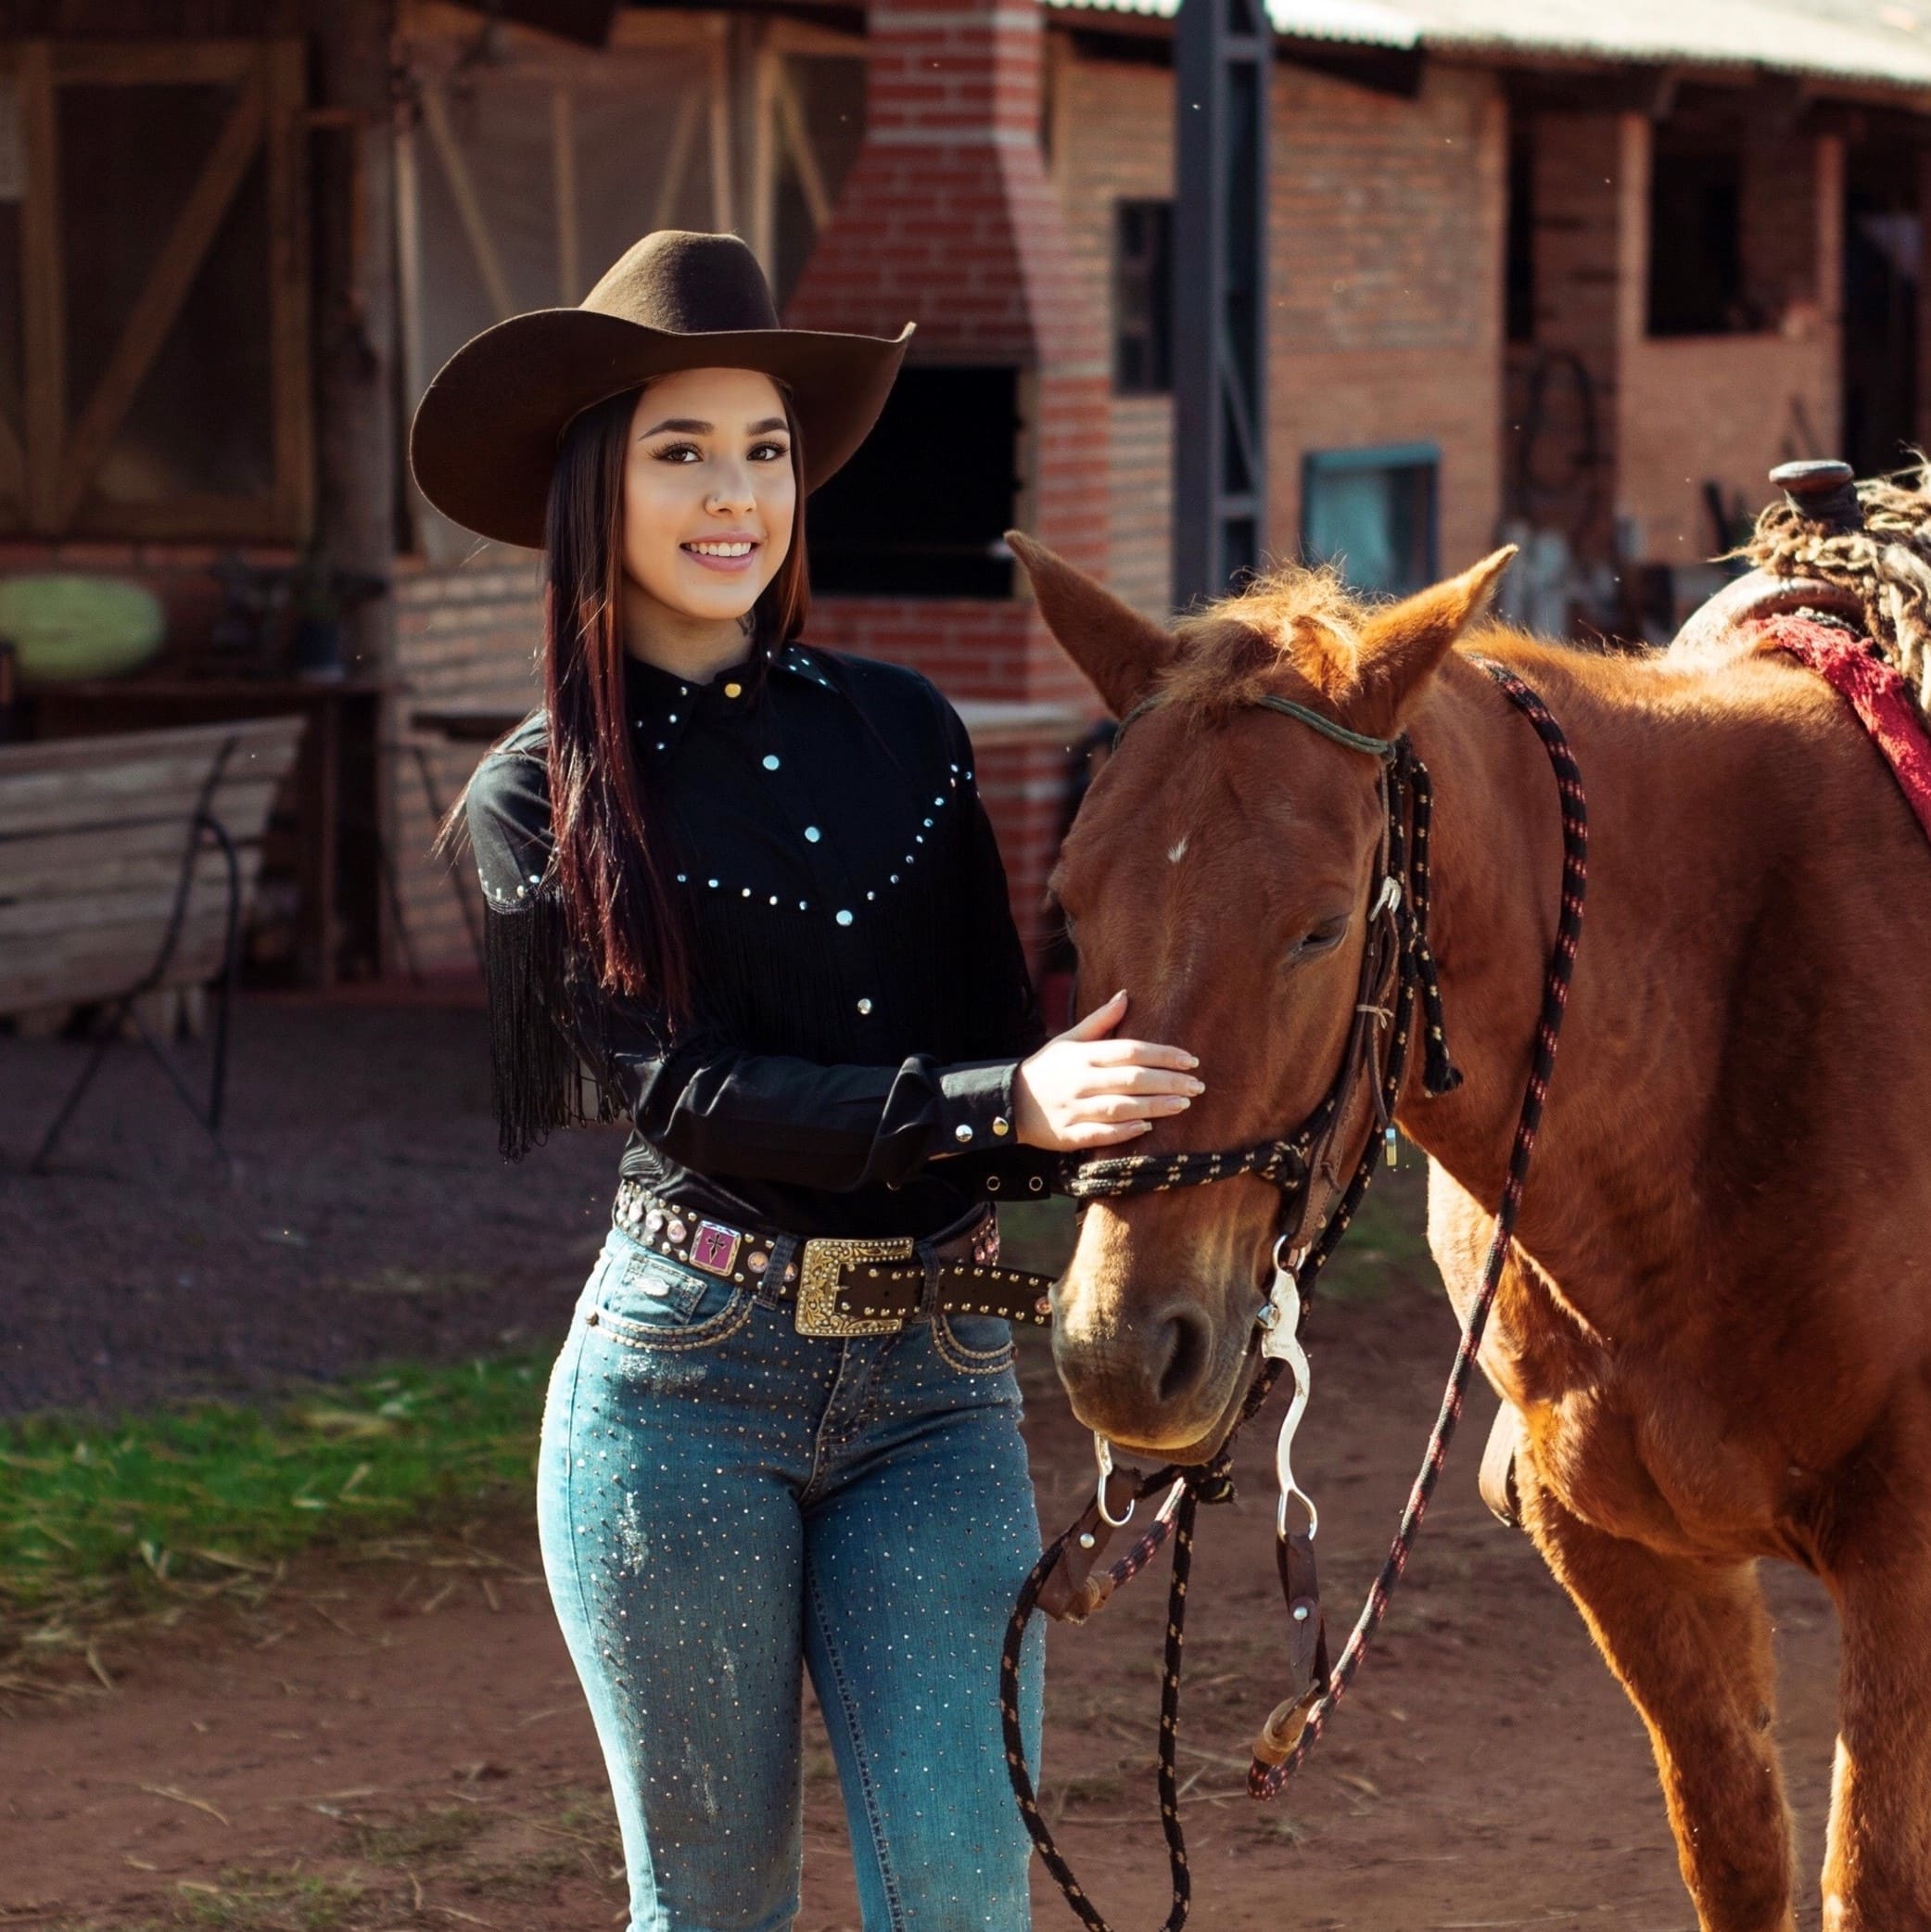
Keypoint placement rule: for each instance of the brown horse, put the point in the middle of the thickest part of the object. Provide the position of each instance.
(1716, 1318)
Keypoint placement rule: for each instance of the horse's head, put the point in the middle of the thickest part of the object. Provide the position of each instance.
(1220, 871)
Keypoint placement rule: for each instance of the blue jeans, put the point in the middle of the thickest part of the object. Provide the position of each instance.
(722, 1500)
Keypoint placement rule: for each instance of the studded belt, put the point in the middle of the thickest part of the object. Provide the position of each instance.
(860, 1286)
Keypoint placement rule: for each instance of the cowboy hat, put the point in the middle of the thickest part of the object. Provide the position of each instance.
(486, 434)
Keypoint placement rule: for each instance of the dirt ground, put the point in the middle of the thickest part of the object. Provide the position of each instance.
(402, 1744)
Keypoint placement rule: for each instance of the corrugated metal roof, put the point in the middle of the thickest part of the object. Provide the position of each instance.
(1881, 42)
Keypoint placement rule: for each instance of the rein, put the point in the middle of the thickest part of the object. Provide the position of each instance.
(1398, 977)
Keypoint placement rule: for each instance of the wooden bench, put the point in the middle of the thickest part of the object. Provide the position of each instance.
(127, 864)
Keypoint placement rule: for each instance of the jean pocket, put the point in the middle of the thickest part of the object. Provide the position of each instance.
(647, 1298)
(979, 1344)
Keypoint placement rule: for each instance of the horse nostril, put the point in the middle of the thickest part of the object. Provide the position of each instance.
(1186, 1341)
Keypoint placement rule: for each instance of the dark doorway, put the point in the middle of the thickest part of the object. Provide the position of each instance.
(922, 508)
(1882, 278)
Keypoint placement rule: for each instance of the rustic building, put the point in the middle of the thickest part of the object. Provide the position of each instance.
(1555, 273)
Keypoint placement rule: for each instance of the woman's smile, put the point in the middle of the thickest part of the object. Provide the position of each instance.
(732, 555)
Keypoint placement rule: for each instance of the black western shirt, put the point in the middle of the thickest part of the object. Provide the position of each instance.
(862, 998)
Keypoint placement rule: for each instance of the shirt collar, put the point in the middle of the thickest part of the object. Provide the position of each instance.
(661, 705)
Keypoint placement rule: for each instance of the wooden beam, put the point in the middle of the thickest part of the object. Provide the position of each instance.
(763, 158)
(805, 38)
(44, 277)
(722, 217)
(201, 519)
(409, 266)
(283, 79)
(635, 30)
(469, 206)
(13, 462)
(677, 164)
(159, 63)
(797, 138)
(563, 145)
(159, 304)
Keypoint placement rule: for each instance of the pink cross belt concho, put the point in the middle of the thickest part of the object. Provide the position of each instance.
(714, 1248)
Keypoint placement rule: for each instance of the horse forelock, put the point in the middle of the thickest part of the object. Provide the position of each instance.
(1291, 619)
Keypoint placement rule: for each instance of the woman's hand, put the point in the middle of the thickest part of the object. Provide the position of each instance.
(1081, 1090)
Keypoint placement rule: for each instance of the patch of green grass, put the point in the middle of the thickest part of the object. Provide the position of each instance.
(102, 1521)
(255, 1902)
(430, 1834)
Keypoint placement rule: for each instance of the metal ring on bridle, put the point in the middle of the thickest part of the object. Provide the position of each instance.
(1103, 1455)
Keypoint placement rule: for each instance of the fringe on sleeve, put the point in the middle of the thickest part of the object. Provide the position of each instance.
(538, 1076)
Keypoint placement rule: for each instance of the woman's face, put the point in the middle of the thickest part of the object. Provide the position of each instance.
(710, 491)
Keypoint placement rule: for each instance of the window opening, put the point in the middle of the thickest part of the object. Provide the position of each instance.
(1371, 512)
(1143, 298)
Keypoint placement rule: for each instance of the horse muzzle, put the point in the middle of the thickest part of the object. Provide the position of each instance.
(1163, 1381)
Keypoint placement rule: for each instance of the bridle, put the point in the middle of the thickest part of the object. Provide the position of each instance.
(1397, 991)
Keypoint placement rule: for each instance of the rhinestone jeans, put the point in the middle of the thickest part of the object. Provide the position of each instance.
(724, 1503)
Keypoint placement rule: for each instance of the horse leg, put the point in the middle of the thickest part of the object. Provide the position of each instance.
(1690, 1643)
(1878, 1861)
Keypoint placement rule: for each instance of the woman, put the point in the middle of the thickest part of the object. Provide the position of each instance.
(749, 883)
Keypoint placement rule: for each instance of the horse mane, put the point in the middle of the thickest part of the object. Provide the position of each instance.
(1304, 621)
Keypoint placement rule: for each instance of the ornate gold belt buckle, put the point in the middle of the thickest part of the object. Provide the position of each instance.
(821, 1267)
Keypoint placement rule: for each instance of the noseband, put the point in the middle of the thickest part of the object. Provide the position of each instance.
(1398, 988)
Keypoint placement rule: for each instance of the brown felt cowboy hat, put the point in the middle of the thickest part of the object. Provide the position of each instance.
(486, 434)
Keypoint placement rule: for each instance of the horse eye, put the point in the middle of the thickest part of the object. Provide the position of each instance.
(1318, 939)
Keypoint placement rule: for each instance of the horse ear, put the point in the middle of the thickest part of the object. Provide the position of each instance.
(1401, 645)
(1116, 647)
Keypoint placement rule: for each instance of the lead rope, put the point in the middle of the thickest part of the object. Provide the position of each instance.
(1295, 1726)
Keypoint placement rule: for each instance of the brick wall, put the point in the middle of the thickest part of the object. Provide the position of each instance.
(1113, 141)
(1727, 408)
(1580, 239)
(1674, 412)
(1385, 239)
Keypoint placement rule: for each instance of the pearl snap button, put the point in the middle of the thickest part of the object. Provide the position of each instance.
(961, 1132)
(770, 761)
(731, 691)
(813, 834)
(864, 1006)
(844, 919)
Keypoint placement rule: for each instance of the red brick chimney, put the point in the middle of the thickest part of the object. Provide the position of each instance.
(948, 219)
(947, 216)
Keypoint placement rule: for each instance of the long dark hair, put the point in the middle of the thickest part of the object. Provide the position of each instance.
(613, 860)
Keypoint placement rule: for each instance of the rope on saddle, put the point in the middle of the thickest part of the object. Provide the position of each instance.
(1885, 564)
(1189, 1487)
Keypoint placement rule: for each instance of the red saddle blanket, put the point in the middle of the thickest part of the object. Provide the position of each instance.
(1880, 697)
